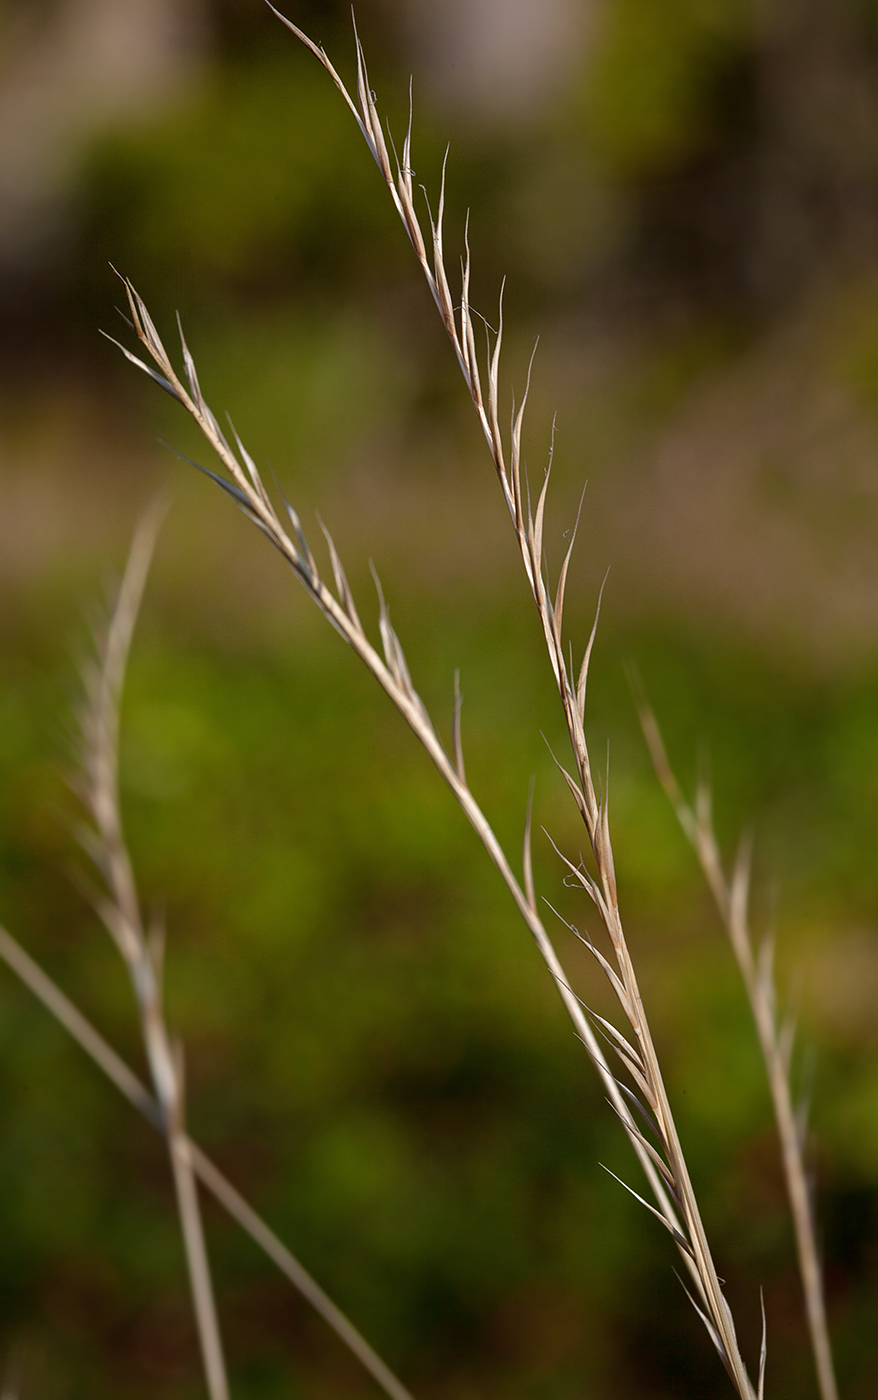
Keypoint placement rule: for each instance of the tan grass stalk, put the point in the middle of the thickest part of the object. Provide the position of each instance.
(776, 1038)
(115, 1068)
(245, 486)
(639, 1058)
(668, 1178)
(144, 956)
(142, 949)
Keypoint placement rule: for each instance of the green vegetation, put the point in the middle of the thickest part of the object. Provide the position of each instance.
(374, 1054)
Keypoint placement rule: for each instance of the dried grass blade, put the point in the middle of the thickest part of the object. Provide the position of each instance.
(763, 1350)
(659, 758)
(71, 1018)
(304, 555)
(121, 910)
(711, 1331)
(582, 681)
(372, 121)
(558, 608)
(536, 531)
(345, 596)
(494, 390)
(389, 676)
(133, 1089)
(739, 895)
(196, 1250)
(641, 1109)
(440, 279)
(456, 738)
(527, 859)
(144, 324)
(320, 54)
(660, 1163)
(189, 365)
(776, 1044)
(252, 469)
(671, 1229)
(467, 330)
(619, 1041)
(518, 422)
(223, 482)
(573, 785)
(406, 172)
(147, 369)
(637, 1075)
(393, 652)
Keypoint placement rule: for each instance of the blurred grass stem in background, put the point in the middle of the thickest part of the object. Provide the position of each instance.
(776, 1038)
(142, 948)
(120, 911)
(115, 1068)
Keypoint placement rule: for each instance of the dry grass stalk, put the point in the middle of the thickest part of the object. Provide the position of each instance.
(115, 1068)
(639, 1058)
(666, 1169)
(142, 949)
(119, 909)
(390, 670)
(776, 1038)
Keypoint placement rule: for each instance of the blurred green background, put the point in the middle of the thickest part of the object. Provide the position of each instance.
(684, 196)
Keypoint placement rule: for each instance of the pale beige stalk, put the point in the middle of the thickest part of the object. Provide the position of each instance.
(642, 1061)
(669, 1181)
(121, 913)
(775, 1039)
(73, 1021)
(119, 907)
(391, 672)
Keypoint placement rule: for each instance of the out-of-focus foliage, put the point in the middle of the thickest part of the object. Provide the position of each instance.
(373, 1052)
(660, 71)
(372, 1049)
(257, 173)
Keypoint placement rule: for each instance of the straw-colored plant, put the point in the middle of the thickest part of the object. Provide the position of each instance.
(642, 1104)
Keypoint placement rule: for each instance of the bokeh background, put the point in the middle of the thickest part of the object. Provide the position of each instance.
(684, 197)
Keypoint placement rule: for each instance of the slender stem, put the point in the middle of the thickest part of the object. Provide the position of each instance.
(120, 910)
(244, 484)
(732, 901)
(126, 1081)
(199, 1268)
